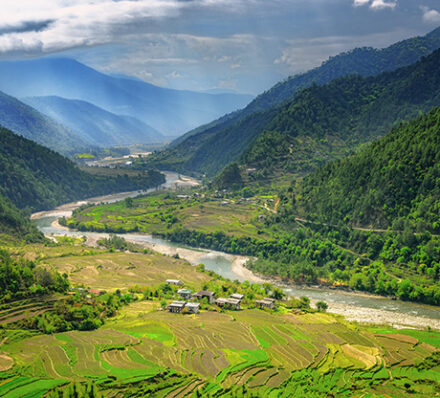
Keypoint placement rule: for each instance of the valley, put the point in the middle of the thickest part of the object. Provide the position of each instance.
(165, 242)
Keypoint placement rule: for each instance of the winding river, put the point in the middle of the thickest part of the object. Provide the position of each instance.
(354, 306)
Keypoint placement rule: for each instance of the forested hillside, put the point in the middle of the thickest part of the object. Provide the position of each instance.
(16, 223)
(35, 177)
(225, 139)
(395, 179)
(28, 122)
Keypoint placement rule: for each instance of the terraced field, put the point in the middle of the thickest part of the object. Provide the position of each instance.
(224, 353)
(145, 351)
(110, 271)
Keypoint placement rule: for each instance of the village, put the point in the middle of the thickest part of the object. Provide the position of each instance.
(233, 302)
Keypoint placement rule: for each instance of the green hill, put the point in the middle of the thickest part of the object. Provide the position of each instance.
(35, 177)
(394, 179)
(209, 148)
(14, 222)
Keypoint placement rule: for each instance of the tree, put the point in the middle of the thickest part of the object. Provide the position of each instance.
(321, 306)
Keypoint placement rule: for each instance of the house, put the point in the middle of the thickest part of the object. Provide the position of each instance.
(237, 296)
(266, 303)
(205, 293)
(96, 292)
(176, 306)
(174, 282)
(193, 308)
(231, 303)
(186, 294)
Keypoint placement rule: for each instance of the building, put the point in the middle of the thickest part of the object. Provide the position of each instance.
(174, 282)
(237, 296)
(205, 293)
(266, 303)
(96, 292)
(193, 308)
(186, 294)
(176, 306)
(230, 303)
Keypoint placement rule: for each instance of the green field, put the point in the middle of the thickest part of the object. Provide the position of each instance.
(160, 213)
(145, 351)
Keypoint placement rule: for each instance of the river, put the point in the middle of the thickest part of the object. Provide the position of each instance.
(354, 306)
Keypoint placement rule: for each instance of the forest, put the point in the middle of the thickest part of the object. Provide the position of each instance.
(36, 178)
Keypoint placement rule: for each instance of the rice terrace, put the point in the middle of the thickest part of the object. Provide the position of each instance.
(144, 350)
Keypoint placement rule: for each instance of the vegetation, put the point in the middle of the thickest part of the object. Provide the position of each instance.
(392, 183)
(161, 213)
(37, 178)
(14, 222)
(21, 279)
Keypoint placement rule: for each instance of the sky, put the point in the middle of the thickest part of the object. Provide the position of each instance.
(240, 45)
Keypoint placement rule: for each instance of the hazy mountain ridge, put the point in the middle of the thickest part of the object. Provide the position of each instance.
(96, 126)
(28, 122)
(169, 111)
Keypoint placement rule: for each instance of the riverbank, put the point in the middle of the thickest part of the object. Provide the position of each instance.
(354, 306)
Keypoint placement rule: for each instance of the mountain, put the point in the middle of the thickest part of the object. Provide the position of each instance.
(393, 179)
(191, 151)
(94, 125)
(32, 176)
(169, 111)
(319, 124)
(28, 122)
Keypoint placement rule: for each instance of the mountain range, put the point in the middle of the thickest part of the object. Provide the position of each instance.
(94, 125)
(238, 136)
(171, 112)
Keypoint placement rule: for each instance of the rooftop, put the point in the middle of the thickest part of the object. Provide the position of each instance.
(204, 293)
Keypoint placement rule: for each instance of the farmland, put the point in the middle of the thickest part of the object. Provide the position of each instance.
(160, 213)
(144, 351)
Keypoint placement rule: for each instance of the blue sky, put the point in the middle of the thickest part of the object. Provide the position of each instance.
(242, 45)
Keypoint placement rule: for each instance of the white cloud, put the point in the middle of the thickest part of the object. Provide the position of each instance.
(358, 3)
(301, 55)
(64, 24)
(376, 4)
(381, 4)
(430, 15)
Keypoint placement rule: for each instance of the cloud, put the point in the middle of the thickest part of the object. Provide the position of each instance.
(430, 15)
(55, 25)
(358, 3)
(301, 55)
(376, 4)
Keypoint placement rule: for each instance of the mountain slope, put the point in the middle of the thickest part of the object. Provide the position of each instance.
(96, 126)
(28, 122)
(395, 177)
(361, 61)
(32, 176)
(319, 124)
(14, 222)
(169, 111)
